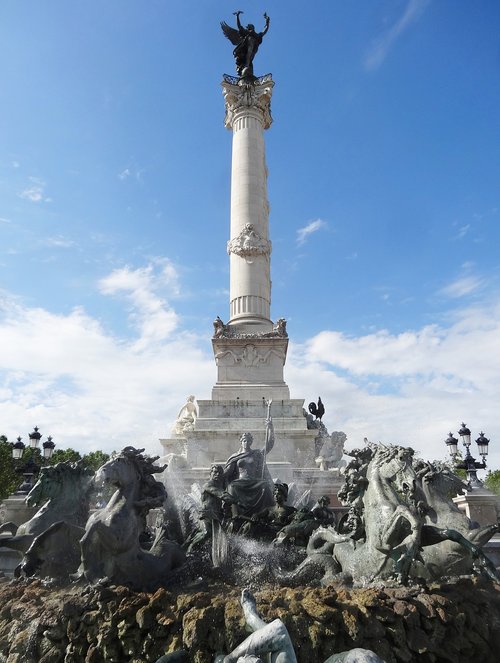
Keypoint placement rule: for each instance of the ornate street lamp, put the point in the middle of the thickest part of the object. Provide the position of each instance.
(482, 445)
(35, 438)
(48, 448)
(452, 444)
(30, 468)
(18, 449)
(469, 463)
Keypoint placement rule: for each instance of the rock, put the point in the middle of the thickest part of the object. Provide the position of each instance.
(418, 640)
(448, 623)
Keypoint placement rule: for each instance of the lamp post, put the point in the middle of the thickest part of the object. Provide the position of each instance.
(469, 463)
(30, 468)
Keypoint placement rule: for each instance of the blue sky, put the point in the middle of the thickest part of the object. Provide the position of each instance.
(114, 213)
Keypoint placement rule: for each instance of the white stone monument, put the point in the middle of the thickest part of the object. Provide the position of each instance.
(250, 350)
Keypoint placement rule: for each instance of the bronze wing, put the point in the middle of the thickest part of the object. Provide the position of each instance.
(231, 33)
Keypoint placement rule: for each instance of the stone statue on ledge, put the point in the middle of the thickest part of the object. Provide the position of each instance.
(246, 42)
(186, 418)
(332, 451)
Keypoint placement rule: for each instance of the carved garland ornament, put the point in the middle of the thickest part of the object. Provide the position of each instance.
(249, 243)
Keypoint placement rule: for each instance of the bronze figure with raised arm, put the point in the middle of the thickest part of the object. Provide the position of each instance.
(247, 477)
(246, 42)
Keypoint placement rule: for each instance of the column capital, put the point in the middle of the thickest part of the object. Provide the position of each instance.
(242, 96)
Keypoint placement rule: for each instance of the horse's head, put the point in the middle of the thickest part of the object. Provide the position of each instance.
(394, 464)
(134, 471)
(47, 487)
(442, 480)
(64, 482)
(118, 471)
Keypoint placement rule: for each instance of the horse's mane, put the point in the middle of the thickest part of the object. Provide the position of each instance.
(152, 492)
(388, 451)
(65, 469)
(438, 468)
(66, 472)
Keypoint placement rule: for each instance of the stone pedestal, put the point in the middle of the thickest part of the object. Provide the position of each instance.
(220, 424)
(9, 560)
(250, 368)
(14, 510)
(479, 505)
(483, 507)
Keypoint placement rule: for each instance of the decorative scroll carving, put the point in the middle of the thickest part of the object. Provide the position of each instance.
(248, 94)
(249, 243)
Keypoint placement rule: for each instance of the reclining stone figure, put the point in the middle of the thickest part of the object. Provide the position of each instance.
(273, 638)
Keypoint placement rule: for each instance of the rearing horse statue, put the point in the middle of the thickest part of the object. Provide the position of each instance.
(62, 491)
(381, 536)
(110, 548)
(401, 524)
(452, 544)
(392, 524)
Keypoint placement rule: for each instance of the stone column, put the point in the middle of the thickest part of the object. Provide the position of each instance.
(248, 115)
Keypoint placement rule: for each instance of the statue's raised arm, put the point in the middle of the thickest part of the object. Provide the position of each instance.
(246, 42)
(269, 440)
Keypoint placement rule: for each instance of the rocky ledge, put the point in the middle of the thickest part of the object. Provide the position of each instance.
(457, 622)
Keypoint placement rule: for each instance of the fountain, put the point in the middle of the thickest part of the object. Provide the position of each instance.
(374, 563)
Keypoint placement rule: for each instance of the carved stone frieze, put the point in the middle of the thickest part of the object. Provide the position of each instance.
(249, 243)
(250, 355)
(243, 95)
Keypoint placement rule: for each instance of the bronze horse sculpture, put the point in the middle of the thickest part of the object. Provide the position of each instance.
(110, 547)
(50, 539)
(401, 526)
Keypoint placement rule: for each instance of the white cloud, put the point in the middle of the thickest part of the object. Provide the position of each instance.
(464, 285)
(312, 227)
(463, 230)
(16, 164)
(155, 319)
(410, 387)
(124, 174)
(35, 192)
(382, 45)
(90, 389)
(87, 388)
(59, 242)
(4, 220)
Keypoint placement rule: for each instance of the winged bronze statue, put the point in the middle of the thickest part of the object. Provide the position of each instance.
(246, 42)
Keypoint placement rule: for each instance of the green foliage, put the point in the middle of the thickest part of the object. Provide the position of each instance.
(451, 464)
(9, 480)
(62, 455)
(95, 459)
(492, 481)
